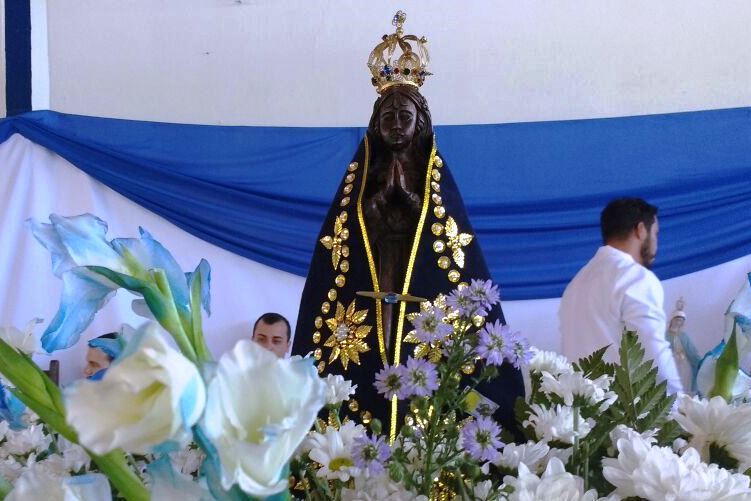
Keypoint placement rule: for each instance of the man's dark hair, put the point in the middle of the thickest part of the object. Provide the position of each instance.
(271, 319)
(623, 215)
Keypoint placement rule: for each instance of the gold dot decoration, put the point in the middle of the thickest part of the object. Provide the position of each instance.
(436, 175)
(437, 229)
(444, 262)
(325, 307)
(439, 211)
(439, 246)
(319, 322)
(353, 405)
(468, 368)
(317, 337)
(478, 321)
(340, 280)
(366, 417)
(344, 235)
(437, 199)
(436, 187)
(409, 420)
(344, 266)
(438, 162)
(345, 250)
(344, 201)
(347, 189)
(343, 216)
(350, 177)
(454, 276)
(321, 366)
(354, 165)
(332, 294)
(318, 354)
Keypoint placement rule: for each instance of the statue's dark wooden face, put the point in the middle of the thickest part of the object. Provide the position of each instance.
(397, 122)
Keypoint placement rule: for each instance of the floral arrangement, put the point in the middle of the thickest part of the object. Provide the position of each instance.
(593, 430)
(167, 423)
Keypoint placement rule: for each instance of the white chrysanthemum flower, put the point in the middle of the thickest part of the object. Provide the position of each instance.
(338, 389)
(549, 361)
(22, 442)
(717, 422)
(333, 450)
(483, 491)
(573, 386)
(557, 423)
(555, 483)
(187, 460)
(10, 469)
(623, 431)
(377, 489)
(74, 456)
(657, 473)
(532, 454)
(4, 429)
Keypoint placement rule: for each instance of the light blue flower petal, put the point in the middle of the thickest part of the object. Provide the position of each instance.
(203, 270)
(11, 409)
(92, 486)
(151, 254)
(50, 239)
(166, 483)
(84, 293)
(84, 238)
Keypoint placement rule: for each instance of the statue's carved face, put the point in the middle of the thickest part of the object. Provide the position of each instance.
(397, 122)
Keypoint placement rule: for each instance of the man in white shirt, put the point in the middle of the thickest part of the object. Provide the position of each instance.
(616, 289)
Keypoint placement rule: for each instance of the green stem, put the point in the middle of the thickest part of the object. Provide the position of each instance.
(115, 466)
(5, 487)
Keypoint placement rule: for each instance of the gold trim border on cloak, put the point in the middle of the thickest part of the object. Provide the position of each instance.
(408, 274)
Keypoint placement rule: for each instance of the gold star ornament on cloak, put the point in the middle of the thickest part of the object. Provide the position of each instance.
(347, 339)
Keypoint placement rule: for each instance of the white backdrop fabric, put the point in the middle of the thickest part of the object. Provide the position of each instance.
(36, 182)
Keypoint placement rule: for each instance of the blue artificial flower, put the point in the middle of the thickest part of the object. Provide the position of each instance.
(519, 351)
(93, 268)
(430, 327)
(11, 409)
(478, 298)
(480, 438)
(370, 454)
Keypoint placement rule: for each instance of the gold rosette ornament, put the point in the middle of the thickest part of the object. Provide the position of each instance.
(348, 335)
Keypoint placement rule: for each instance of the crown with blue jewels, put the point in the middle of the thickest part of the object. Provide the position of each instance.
(408, 69)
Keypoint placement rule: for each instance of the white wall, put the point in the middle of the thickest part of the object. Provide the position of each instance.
(302, 62)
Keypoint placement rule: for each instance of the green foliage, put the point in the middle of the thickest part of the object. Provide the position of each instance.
(594, 366)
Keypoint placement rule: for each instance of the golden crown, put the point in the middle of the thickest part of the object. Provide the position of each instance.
(410, 68)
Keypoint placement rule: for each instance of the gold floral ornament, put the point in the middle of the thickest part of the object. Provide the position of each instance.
(348, 335)
(456, 241)
(336, 243)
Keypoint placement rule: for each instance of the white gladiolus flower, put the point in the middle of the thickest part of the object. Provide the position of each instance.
(657, 474)
(24, 341)
(256, 433)
(531, 454)
(333, 450)
(555, 483)
(717, 422)
(37, 484)
(549, 361)
(557, 423)
(571, 385)
(151, 395)
(338, 389)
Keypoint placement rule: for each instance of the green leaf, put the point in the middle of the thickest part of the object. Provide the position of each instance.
(726, 370)
(594, 365)
(5, 487)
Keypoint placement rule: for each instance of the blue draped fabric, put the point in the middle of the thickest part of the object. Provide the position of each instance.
(533, 190)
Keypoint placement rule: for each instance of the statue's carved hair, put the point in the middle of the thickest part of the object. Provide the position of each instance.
(423, 125)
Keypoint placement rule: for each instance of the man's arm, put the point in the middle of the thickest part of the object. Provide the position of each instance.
(642, 312)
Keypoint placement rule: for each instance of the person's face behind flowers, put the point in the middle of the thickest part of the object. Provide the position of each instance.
(96, 360)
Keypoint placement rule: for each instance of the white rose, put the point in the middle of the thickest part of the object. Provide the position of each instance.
(258, 411)
(151, 395)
